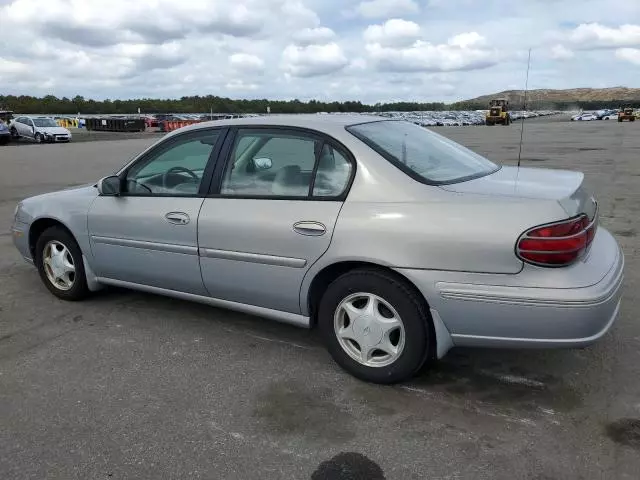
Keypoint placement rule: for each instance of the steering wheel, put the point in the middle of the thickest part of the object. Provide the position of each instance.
(178, 169)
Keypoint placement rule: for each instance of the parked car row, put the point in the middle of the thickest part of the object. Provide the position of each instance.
(606, 114)
(458, 118)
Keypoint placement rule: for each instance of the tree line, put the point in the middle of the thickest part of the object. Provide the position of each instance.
(210, 103)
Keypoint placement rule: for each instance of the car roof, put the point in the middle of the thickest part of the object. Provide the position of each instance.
(327, 123)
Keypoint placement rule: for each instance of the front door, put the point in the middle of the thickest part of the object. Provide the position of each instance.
(148, 234)
(272, 215)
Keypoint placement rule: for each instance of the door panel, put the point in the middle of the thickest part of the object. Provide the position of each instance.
(250, 252)
(134, 239)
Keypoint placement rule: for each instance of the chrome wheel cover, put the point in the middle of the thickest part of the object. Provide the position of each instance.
(58, 265)
(369, 329)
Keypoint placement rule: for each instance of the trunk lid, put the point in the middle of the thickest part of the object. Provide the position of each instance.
(563, 186)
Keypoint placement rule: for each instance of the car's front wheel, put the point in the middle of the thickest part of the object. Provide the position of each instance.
(375, 326)
(59, 262)
(39, 138)
(14, 133)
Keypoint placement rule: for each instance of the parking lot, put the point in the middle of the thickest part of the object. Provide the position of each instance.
(131, 385)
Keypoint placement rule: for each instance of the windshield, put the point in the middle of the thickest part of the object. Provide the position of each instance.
(421, 153)
(44, 122)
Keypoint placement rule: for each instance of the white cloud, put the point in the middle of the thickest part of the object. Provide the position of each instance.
(313, 60)
(466, 40)
(466, 51)
(560, 52)
(386, 8)
(239, 84)
(246, 62)
(426, 57)
(394, 32)
(313, 36)
(629, 54)
(299, 15)
(589, 36)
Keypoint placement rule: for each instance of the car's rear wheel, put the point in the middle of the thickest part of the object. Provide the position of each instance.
(59, 262)
(375, 326)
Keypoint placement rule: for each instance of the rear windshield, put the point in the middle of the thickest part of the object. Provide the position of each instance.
(421, 153)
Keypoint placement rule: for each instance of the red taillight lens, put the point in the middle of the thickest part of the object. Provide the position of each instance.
(557, 244)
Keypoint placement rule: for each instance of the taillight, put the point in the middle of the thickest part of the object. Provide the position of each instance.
(557, 244)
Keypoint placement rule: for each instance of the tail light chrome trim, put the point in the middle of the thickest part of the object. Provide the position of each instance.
(548, 256)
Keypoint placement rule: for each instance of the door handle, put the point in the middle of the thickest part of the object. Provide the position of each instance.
(177, 218)
(313, 229)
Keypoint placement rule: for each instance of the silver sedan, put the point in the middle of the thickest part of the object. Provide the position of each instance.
(396, 243)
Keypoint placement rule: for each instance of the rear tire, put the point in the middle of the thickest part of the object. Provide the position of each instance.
(58, 242)
(404, 347)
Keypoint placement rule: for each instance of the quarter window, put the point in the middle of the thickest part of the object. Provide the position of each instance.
(176, 169)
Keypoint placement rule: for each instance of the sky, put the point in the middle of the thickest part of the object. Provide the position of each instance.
(367, 50)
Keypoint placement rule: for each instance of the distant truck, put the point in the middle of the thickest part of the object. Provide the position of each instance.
(626, 113)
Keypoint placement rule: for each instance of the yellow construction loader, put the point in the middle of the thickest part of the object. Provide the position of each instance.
(626, 113)
(498, 113)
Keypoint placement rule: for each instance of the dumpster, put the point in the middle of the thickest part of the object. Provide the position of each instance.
(108, 124)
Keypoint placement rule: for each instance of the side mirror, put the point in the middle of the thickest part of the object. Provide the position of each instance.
(262, 163)
(109, 186)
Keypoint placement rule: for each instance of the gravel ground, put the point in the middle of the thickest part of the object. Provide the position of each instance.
(130, 385)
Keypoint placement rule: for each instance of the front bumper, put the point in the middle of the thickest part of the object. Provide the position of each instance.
(479, 311)
(20, 236)
(57, 138)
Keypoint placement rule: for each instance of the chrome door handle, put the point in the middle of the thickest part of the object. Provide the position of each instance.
(313, 229)
(177, 218)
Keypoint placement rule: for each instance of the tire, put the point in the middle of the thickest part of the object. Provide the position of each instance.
(414, 340)
(38, 138)
(620, 120)
(632, 119)
(14, 133)
(51, 238)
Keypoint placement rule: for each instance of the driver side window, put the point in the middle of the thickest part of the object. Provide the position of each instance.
(176, 169)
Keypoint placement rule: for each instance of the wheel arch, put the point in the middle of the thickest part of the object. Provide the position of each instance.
(38, 226)
(322, 279)
(329, 273)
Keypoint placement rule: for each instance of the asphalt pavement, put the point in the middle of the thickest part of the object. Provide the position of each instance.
(130, 385)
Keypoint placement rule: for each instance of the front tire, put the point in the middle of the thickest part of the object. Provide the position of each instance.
(14, 133)
(60, 264)
(38, 138)
(375, 326)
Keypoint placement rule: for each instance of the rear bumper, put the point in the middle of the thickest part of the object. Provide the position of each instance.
(490, 315)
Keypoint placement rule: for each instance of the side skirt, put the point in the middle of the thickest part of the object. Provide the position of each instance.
(285, 317)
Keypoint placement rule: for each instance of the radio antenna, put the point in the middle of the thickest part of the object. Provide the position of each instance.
(524, 107)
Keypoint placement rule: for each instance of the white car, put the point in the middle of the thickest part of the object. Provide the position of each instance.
(39, 129)
(584, 117)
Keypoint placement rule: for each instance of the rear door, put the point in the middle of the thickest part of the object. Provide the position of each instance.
(271, 214)
(148, 234)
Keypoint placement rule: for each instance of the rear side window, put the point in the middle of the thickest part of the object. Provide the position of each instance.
(280, 163)
(424, 155)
